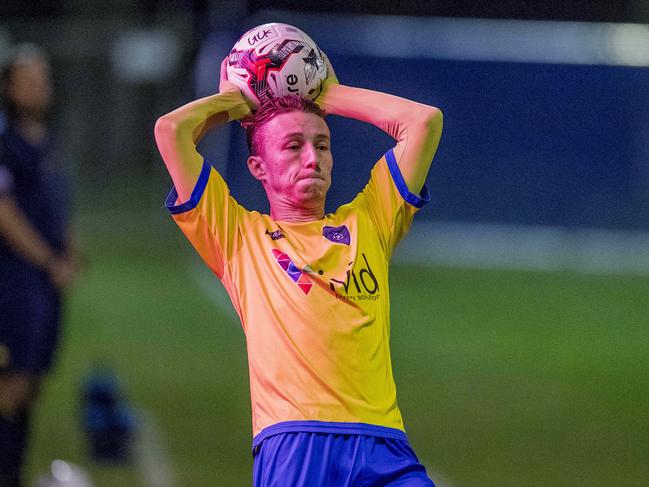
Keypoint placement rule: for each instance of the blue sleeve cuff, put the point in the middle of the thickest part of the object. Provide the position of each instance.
(197, 193)
(395, 172)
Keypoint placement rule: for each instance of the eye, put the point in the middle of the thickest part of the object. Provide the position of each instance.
(293, 147)
(323, 147)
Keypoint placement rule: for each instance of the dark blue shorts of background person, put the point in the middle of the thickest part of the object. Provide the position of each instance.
(30, 321)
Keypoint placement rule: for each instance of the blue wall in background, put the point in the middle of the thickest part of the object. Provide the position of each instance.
(523, 143)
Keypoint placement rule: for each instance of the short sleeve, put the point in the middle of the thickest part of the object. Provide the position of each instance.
(389, 202)
(210, 219)
(6, 180)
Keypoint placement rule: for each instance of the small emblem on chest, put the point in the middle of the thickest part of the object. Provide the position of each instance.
(276, 235)
(337, 234)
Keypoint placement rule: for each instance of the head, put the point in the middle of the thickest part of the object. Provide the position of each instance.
(289, 143)
(26, 84)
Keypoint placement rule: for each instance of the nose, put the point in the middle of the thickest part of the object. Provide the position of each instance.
(310, 155)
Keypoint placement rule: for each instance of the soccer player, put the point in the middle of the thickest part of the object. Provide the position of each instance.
(311, 289)
(37, 256)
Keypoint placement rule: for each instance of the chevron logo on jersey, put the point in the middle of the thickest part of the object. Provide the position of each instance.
(297, 275)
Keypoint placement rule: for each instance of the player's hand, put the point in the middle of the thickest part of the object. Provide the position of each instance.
(227, 86)
(330, 80)
(224, 83)
(62, 272)
(331, 74)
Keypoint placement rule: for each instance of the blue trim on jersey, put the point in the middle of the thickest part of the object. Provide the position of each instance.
(413, 199)
(197, 193)
(329, 427)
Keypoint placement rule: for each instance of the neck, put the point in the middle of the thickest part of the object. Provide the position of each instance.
(280, 211)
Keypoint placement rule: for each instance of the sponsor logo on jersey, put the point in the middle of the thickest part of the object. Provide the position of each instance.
(297, 275)
(359, 283)
(276, 235)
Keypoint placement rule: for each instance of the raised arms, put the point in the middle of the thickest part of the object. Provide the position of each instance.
(417, 128)
(178, 132)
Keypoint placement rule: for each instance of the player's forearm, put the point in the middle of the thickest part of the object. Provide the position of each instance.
(390, 113)
(192, 118)
(415, 127)
(178, 132)
(22, 237)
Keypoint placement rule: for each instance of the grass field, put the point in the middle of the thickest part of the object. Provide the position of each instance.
(505, 378)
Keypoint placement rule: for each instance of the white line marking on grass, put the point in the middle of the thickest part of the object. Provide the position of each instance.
(152, 461)
(526, 247)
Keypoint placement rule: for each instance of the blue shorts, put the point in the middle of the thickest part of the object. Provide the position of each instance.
(308, 459)
(30, 316)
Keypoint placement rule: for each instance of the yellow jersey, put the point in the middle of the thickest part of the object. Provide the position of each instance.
(313, 299)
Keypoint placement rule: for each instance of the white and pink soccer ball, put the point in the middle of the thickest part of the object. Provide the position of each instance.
(273, 60)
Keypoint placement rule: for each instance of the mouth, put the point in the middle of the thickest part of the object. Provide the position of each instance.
(311, 177)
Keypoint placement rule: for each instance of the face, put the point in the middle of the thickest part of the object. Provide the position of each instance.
(30, 87)
(295, 161)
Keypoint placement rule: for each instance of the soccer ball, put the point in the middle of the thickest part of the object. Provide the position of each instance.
(274, 60)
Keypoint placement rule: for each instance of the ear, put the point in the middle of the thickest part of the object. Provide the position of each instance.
(257, 168)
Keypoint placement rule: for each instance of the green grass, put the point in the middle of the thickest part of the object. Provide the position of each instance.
(524, 379)
(504, 378)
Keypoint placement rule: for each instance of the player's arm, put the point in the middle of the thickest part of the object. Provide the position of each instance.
(20, 235)
(416, 127)
(178, 132)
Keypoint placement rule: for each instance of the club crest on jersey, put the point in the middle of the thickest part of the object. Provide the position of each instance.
(337, 234)
(297, 275)
(276, 235)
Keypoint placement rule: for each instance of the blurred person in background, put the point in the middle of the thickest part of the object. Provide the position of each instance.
(38, 259)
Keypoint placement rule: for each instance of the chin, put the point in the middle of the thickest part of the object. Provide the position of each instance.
(313, 198)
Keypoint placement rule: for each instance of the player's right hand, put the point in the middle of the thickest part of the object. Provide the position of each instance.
(227, 86)
(224, 83)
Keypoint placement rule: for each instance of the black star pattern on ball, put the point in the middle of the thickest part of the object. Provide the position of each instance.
(312, 64)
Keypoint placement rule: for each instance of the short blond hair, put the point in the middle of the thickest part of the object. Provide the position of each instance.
(269, 110)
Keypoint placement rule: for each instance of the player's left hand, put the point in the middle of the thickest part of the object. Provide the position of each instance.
(331, 79)
(331, 74)
(224, 83)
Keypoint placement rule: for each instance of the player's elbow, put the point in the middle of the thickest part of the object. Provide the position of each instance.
(164, 128)
(428, 122)
(433, 119)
